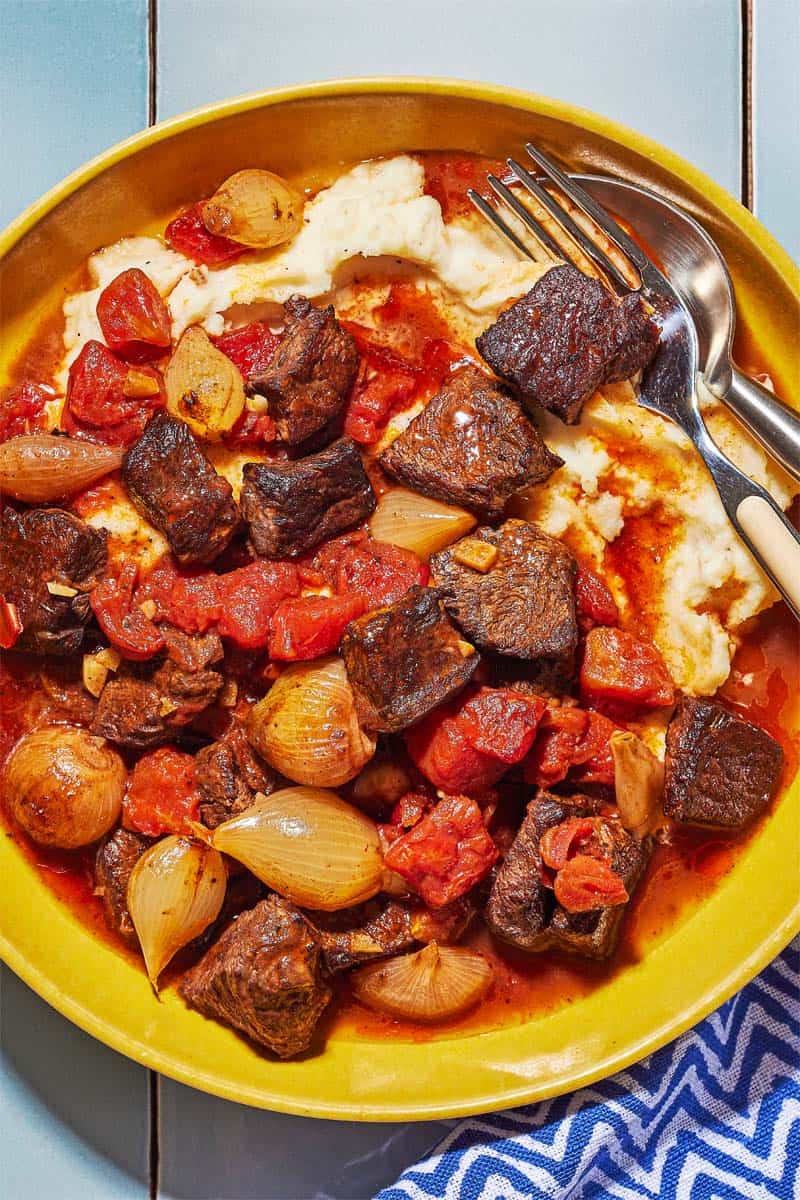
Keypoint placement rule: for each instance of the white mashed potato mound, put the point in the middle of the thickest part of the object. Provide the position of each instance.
(621, 461)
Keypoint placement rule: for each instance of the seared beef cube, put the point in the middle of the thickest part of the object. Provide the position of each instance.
(524, 604)
(192, 651)
(369, 931)
(595, 934)
(263, 977)
(405, 659)
(721, 771)
(229, 774)
(144, 711)
(471, 445)
(520, 905)
(174, 485)
(568, 336)
(311, 373)
(293, 506)
(522, 909)
(47, 545)
(116, 858)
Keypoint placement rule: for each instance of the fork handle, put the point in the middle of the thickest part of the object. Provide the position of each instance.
(771, 539)
(775, 425)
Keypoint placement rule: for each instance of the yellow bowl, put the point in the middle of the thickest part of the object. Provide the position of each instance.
(308, 133)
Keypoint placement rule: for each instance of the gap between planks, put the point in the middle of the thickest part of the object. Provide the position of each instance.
(746, 74)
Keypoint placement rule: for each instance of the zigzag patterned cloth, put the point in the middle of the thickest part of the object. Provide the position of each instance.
(715, 1114)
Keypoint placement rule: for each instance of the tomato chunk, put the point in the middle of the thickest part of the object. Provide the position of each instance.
(188, 235)
(376, 395)
(248, 598)
(251, 348)
(377, 571)
(10, 624)
(467, 746)
(162, 795)
(410, 809)
(561, 842)
(121, 619)
(188, 599)
(596, 605)
(585, 883)
(446, 853)
(22, 410)
(574, 742)
(252, 429)
(310, 626)
(621, 672)
(133, 317)
(96, 399)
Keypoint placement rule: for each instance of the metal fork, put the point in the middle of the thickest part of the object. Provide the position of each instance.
(669, 384)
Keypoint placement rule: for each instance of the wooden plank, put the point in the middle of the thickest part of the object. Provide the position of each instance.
(74, 1114)
(73, 81)
(668, 70)
(776, 103)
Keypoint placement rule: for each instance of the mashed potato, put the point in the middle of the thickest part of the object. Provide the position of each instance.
(621, 462)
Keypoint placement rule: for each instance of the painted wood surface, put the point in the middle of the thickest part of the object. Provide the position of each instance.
(74, 79)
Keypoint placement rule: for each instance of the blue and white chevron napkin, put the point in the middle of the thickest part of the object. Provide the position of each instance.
(716, 1114)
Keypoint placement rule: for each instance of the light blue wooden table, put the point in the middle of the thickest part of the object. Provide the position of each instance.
(716, 80)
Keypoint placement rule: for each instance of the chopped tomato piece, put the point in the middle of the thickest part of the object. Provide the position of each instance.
(251, 348)
(96, 397)
(121, 619)
(410, 809)
(621, 672)
(562, 842)
(133, 317)
(252, 429)
(310, 626)
(376, 395)
(248, 598)
(188, 599)
(377, 571)
(22, 410)
(467, 746)
(571, 741)
(162, 795)
(596, 605)
(188, 235)
(446, 853)
(10, 624)
(586, 883)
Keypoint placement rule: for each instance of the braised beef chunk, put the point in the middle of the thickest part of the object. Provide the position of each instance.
(357, 935)
(116, 858)
(524, 604)
(471, 445)
(721, 771)
(405, 659)
(174, 485)
(522, 909)
(520, 905)
(263, 977)
(192, 651)
(229, 774)
(48, 546)
(568, 336)
(311, 373)
(293, 506)
(140, 711)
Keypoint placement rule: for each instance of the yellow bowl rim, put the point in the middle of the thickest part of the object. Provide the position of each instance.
(746, 968)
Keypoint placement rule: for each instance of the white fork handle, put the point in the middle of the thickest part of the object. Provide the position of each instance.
(771, 538)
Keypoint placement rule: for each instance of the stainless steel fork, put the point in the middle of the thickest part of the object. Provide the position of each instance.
(669, 384)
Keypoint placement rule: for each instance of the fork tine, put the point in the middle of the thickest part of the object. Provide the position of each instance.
(505, 194)
(494, 218)
(598, 256)
(591, 208)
